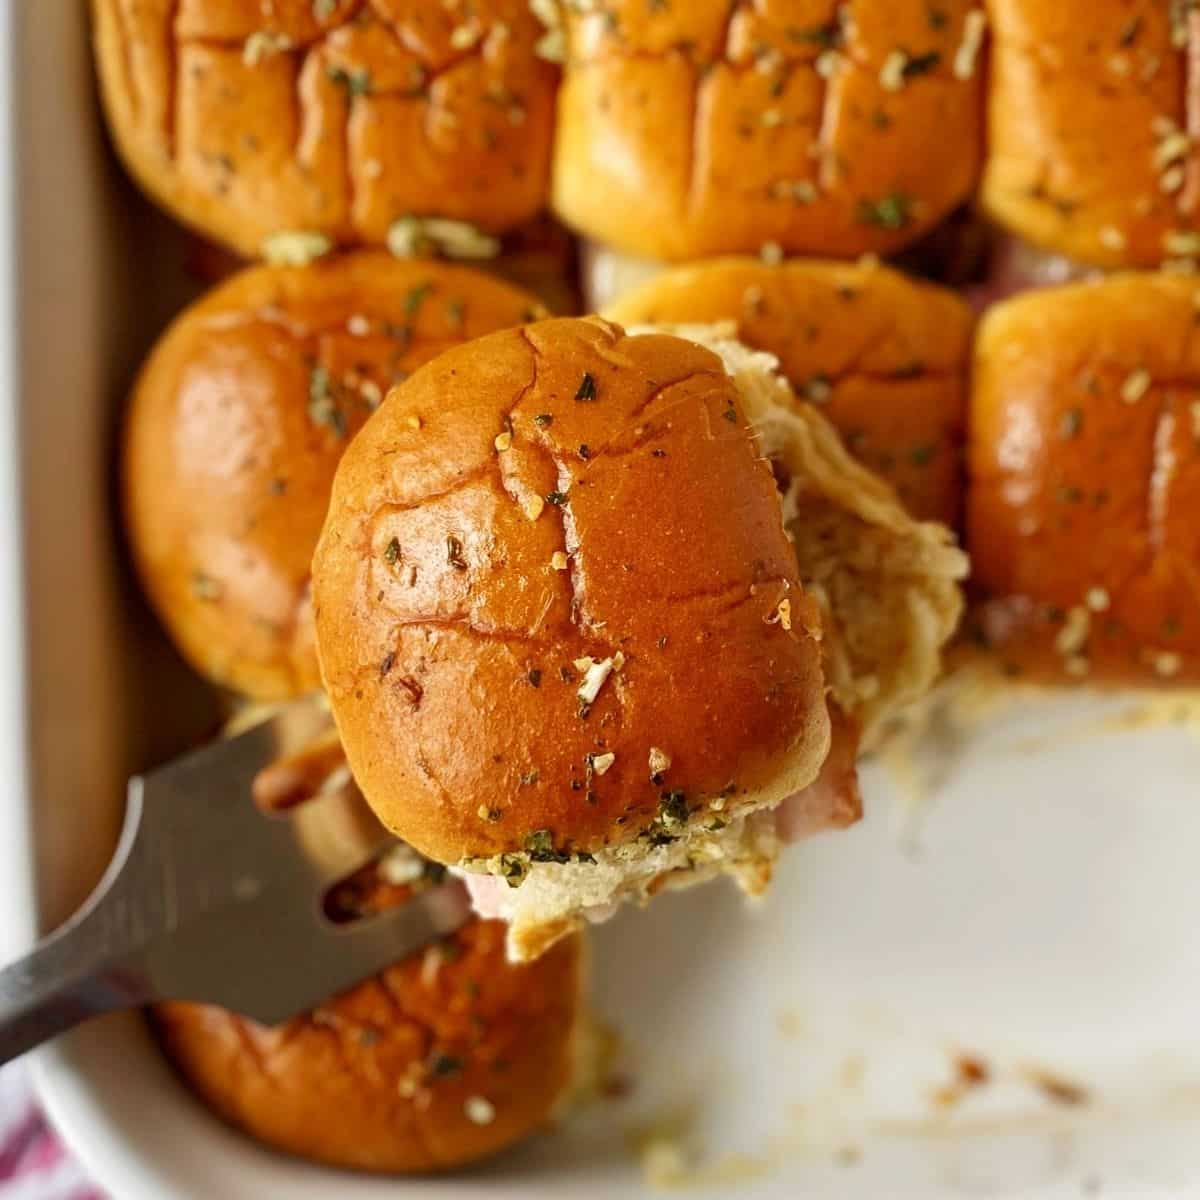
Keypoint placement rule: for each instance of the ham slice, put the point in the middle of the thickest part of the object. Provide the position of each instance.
(832, 800)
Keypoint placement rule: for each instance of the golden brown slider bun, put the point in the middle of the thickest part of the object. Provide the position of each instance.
(444, 1058)
(1092, 128)
(685, 131)
(556, 552)
(1085, 481)
(236, 425)
(561, 623)
(337, 117)
(884, 357)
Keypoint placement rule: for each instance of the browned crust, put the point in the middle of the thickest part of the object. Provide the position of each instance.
(884, 357)
(1083, 101)
(711, 127)
(449, 639)
(236, 426)
(1085, 481)
(374, 111)
(382, 1078)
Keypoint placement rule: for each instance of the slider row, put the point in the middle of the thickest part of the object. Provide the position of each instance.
(662, 128)
(1060, 437)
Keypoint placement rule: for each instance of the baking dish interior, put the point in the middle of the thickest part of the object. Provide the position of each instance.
(1037, 918)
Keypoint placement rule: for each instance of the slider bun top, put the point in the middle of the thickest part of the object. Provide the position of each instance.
(683, 131)
(547, 512)
(334, 116)
(884, 357)
(440, 1060)
(1088, 146)
(236, 425)
(1085, 480)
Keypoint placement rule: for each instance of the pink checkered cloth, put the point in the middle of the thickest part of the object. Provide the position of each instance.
(34, 1164)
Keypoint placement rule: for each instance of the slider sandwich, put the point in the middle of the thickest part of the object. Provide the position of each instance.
(699, 128)
(601, 612)
(284, 128)
(1085, 480)
(1093, 128)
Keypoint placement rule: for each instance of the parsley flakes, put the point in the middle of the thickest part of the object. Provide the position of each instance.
(893, 211)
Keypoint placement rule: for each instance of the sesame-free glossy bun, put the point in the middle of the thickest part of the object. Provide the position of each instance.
(236, 425)
(684, 130)
(536, 499)
(1088, 146)
(1085, 481)
(884, 357)
(248, 119)
(442, 1059)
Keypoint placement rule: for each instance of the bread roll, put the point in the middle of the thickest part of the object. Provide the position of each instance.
(690, 129)
(442, 1059)
(882, 356)
(1093, 118)
(1085, 481)
(561, 623)
(236, 425)
(533, 578)
(328, 117)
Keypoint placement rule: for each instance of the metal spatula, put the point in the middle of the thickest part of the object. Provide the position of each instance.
(208, 898)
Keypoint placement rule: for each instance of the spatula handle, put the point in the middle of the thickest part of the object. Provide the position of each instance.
(86, 967)
(56, 986)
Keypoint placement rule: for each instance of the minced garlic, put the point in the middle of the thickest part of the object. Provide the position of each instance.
(594, 675)
(295, 247)
(1136, 385)
(660, 761)
(602, 762)
(967, 54)
(1076, 630)
(479, 1110)
(463, 37)
(264, 44)
(891, 74)
(416, 237)
(1167, 663)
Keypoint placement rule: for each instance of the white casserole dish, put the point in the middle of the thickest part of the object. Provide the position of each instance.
(1047, 922)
